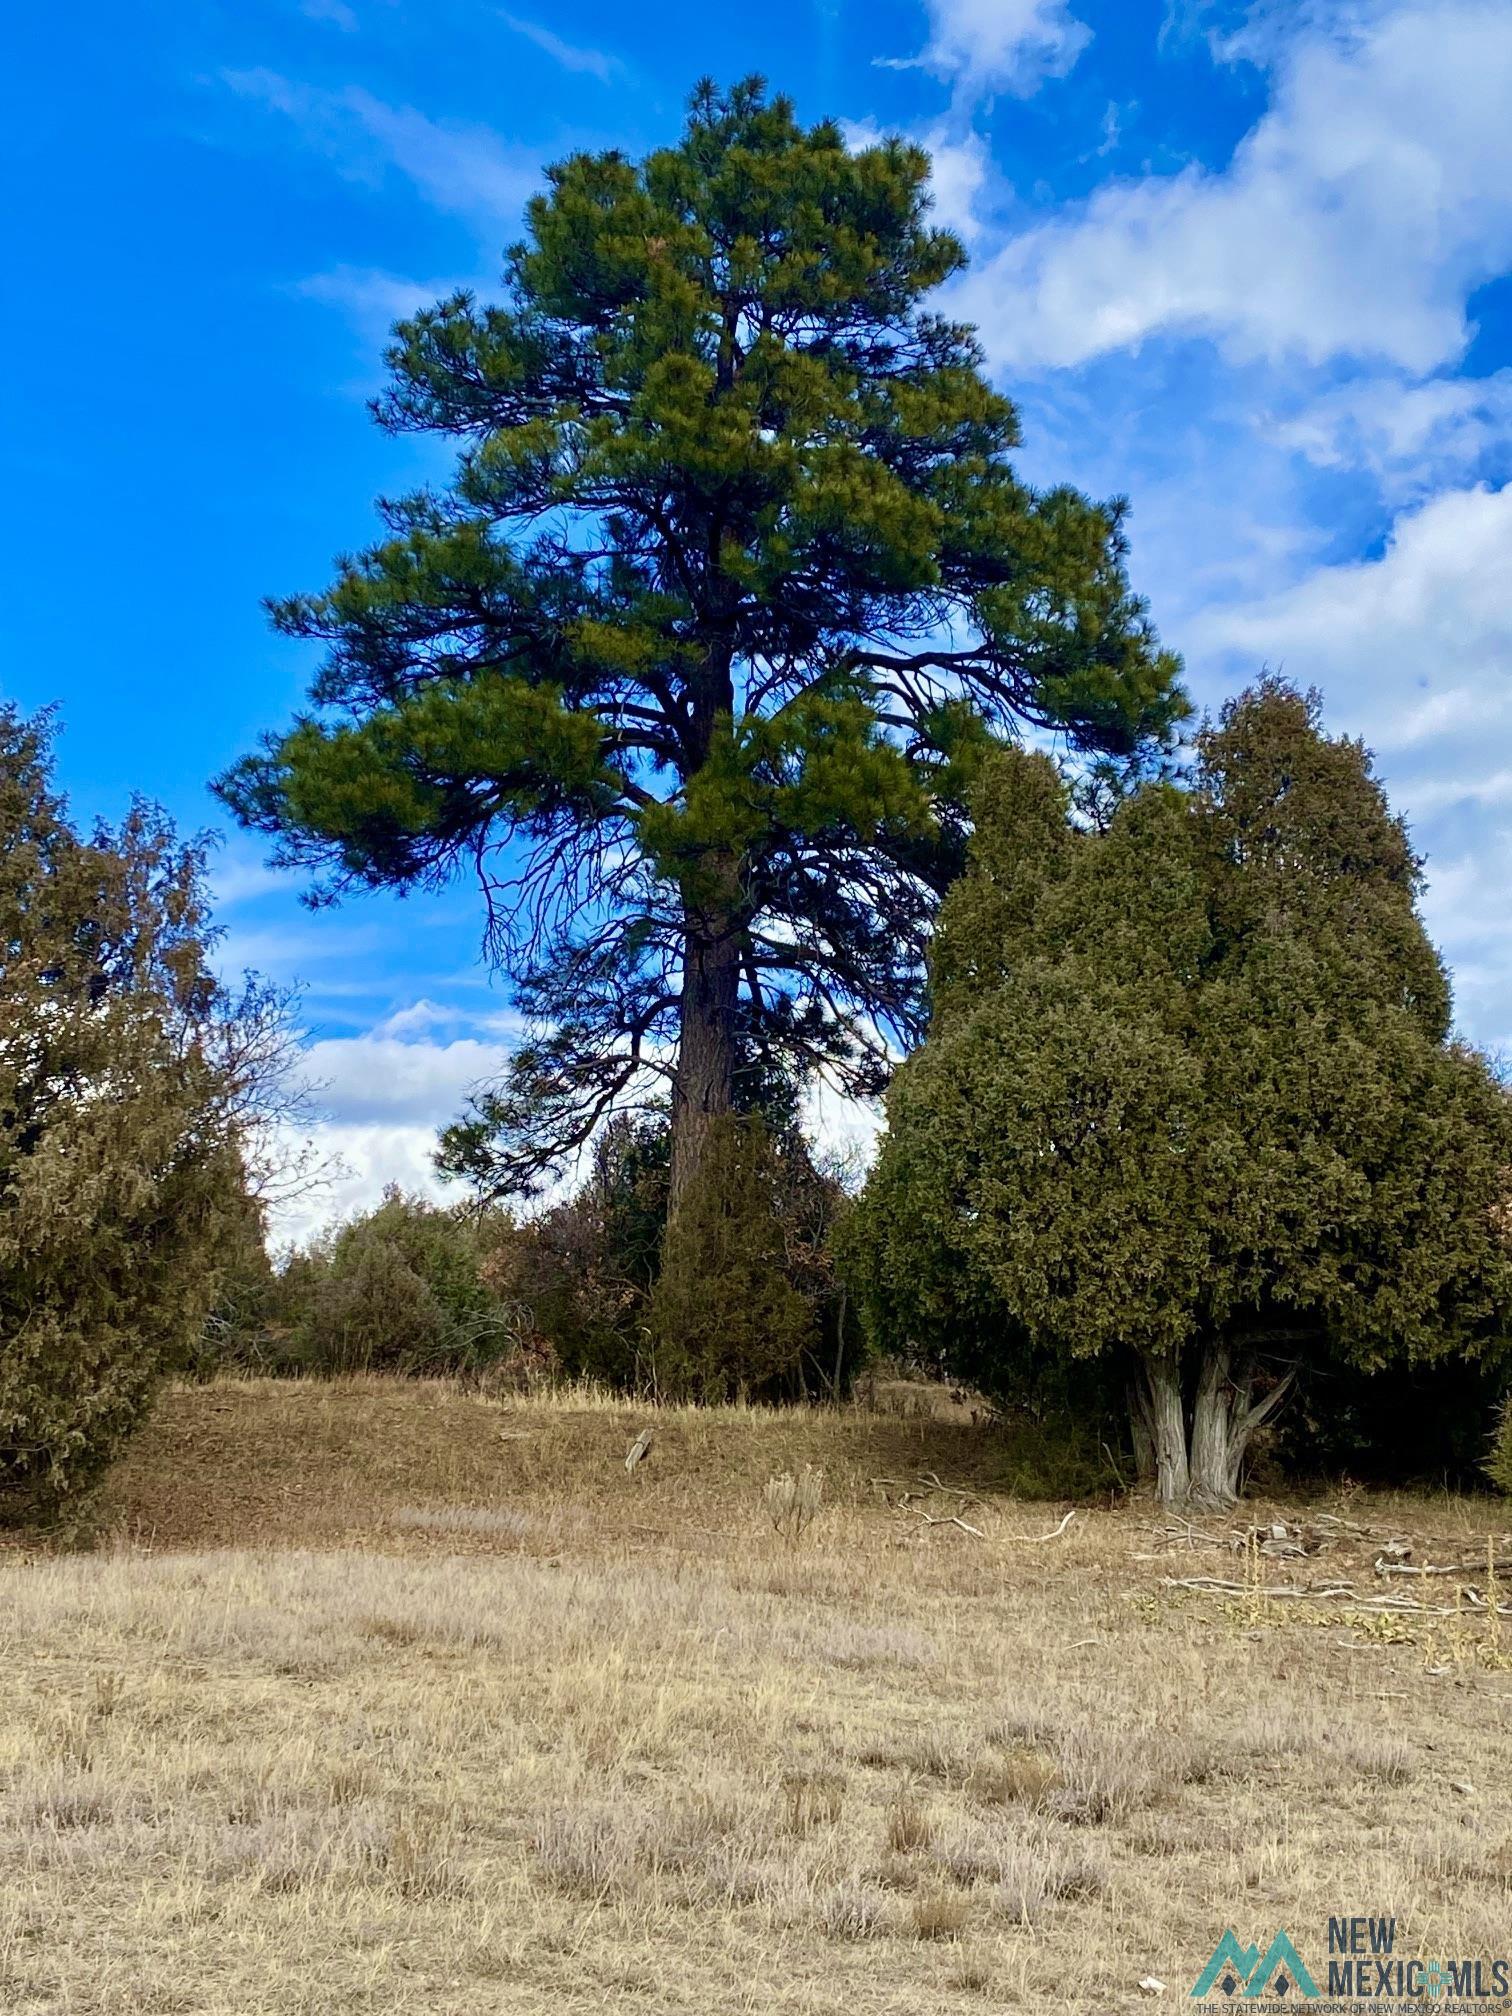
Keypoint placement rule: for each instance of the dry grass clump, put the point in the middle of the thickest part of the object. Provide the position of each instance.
(69, 1797)
(1027, 1867)
(709, 1845)
(1105, 1774)
(862, 1645)
(1458, 1852)
(792, 1502)
(1024, 1778)
(939, 1914)
(1036, 1872)
(1382, 1760)
(591, 1851)
(933, 1755)
(813, 1799)
(910, 1826)
(854, 1909)
(1023, 1731)
(1279, 1733)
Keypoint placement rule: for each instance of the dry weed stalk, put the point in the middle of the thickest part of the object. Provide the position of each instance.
(792, 1503)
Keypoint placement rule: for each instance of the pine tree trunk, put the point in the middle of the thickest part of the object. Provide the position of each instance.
(703, 1090)
(1166, 1428)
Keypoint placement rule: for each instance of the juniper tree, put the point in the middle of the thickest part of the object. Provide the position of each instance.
(1190, 1107)
(122, 1176)
(686, 659)
(725, 1318)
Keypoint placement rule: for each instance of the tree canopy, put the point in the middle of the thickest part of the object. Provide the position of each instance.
(122, 1175)
(689, 659)
(1190, 1105)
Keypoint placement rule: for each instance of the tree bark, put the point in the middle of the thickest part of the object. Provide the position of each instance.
(703, 1090)
(1198, 1462)
(1142, 1432)
(1225, 1416)
(1217, 1445)
(703, 1087)
(1166, 1428)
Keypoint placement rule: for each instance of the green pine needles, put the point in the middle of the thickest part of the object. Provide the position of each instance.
(691, 659)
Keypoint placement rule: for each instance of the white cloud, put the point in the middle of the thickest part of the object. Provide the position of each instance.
(958, 179)
(1414, 650)
(1418, 638)
(1409, 436)
(571, 56)
(387, 1079)
(1354, 219)
(1001, 45)
(458, 167)
(382, 1098)
(369, 1157)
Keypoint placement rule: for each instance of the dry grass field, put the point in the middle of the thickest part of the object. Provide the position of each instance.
(376, 1698)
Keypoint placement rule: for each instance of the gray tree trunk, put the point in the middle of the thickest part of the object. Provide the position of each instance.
(1166, 1429)
(1225, 1416)
(1218, 1441)
(1142, 1433)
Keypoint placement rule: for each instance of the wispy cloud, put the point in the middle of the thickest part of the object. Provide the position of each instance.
(571, 55)
(982, 46)
(1411, 436)
(238, 874)
(336, 12)
(374, 300)
(468, 170)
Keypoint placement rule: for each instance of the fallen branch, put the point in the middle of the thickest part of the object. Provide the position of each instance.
(1179, 1529)
(1038, 1539)
(1216, 1586)
(929, 1478)
(1385, 1606)
(1384, 1567)
(949, 1519)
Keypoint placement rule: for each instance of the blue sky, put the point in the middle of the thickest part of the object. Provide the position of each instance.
(1250, 266)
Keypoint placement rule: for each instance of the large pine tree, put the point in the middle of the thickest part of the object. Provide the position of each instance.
(687, 660)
